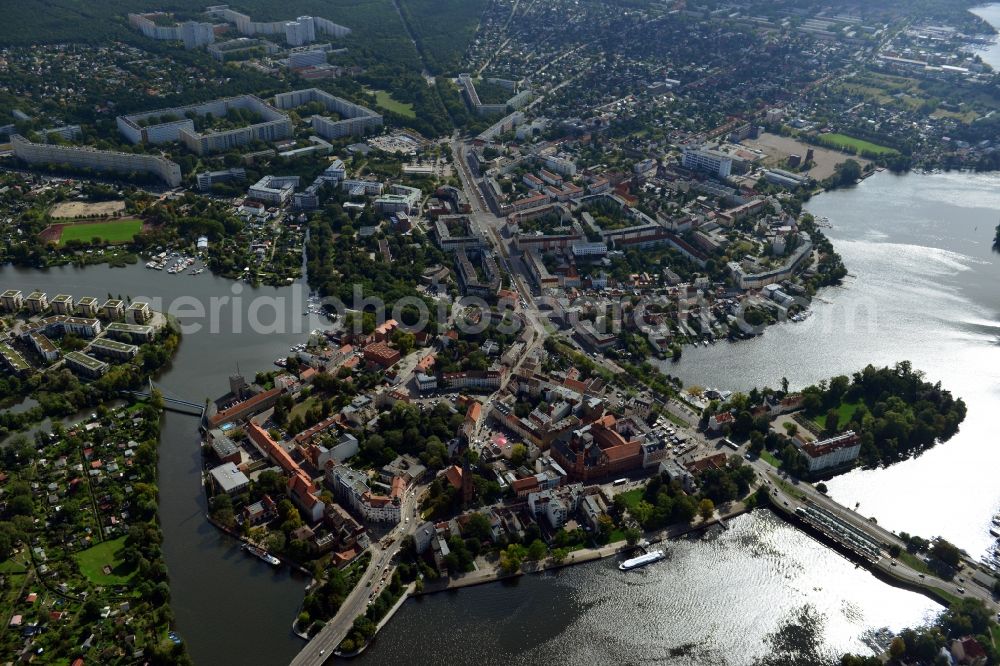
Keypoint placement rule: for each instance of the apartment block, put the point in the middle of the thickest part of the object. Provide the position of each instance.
(98, 160)
(356, 120)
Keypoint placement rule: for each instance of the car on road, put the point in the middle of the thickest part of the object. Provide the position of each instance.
(922, 575)
(961, 590)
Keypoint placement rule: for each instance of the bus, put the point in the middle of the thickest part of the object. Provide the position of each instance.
(731, 444)
(620, 482)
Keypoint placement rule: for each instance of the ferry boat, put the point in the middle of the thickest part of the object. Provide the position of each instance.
(262, 554)
(642, 560)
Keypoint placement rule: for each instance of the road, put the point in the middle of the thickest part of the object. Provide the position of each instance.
(320, 649)
(894, 568)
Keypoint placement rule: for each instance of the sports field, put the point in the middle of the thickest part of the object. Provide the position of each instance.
(118, 231)
(860, 145)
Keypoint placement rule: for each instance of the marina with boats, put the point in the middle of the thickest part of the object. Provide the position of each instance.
(174, 263)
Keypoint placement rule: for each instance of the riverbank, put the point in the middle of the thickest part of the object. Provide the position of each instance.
(581, 556)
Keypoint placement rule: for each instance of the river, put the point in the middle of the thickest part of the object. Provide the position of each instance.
(922, 287)
(230, 608)
(989, 53)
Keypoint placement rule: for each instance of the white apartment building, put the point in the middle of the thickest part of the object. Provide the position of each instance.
(711, 161)
(355, 120)
(275, 125)
(276, 190)
(98, 160)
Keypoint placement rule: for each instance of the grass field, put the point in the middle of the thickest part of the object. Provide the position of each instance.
(860, 145)
(846, 411)
(769, 458)
(385, 100)
(121, 231)
(914, 562)
(93, 560)
(632, 497)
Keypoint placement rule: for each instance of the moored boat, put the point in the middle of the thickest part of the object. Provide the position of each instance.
(261, 554)
(642, 560)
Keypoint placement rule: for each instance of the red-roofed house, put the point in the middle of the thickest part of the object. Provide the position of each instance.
(717, 421)
(454, 476)
(381, 354)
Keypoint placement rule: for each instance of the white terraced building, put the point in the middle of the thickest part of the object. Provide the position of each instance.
(275, 125)
(356, 119)
(98, 160)
(296, 32)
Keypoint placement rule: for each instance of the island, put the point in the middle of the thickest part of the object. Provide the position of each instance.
(81, 571)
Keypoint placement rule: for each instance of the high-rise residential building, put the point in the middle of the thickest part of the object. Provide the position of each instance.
(711, 161)
(355, 119)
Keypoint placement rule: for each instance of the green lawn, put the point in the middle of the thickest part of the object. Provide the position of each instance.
(121, 231)
(914, 562)
(301, 408)
(846, 411)
(385, 101)
(860, 145)
(948, 596)
(93, 560)
(632, 497)
(770, 458)
(673, 418)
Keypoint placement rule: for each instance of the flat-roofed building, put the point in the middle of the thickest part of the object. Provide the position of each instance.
(13, 360)
(85, 365)
(97, 160)
(273, 125)
(37, 302)
(134, 333)
(44, 347)
(352, 119)
(62, 304)
(82, 328)
(120, 351)
(138, 313)
(113, 310)
(12, 300)
(87, 307)
(227, 478)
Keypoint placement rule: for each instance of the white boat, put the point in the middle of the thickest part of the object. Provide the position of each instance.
(642, 560)
(262, 554)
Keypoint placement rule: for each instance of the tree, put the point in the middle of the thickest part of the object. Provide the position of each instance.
(847, 173)
(537, 550)
(832, 421)
(897, 648)
(946, 553)
(706, 508)
(518, 454)
(632, 536)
